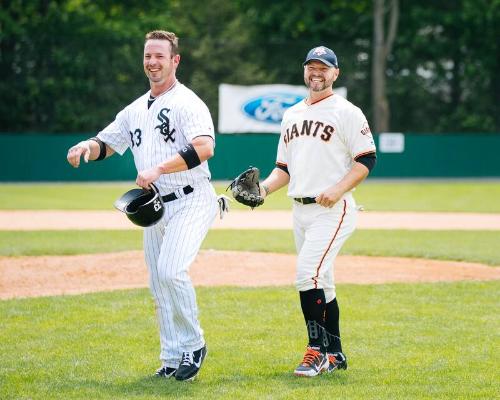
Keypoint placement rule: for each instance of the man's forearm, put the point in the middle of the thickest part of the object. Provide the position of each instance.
(276, 180)
(95, 150)
(174, 164)
(204, 150)
(333, 194)
(353, 178)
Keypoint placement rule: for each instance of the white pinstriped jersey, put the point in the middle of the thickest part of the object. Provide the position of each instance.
(319, 143)
(153, 135)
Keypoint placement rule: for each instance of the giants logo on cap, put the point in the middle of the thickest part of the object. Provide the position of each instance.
(319, 51)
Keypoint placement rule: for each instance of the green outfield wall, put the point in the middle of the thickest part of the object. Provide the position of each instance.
(42, 157)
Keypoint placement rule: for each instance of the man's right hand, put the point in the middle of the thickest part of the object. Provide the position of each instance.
(75, 152)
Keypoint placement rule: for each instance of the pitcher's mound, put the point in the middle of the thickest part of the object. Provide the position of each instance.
(60, 275)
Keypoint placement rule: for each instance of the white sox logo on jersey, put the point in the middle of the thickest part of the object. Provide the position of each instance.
(310, 128)
(164, 127)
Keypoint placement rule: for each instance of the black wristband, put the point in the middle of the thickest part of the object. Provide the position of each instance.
(190, 156)
(102, 148)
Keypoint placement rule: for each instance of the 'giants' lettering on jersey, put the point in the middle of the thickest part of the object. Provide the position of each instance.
(310, 128)
(164, 127)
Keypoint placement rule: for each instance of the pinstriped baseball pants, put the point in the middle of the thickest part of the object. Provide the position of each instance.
(319, 234)
(170, 248)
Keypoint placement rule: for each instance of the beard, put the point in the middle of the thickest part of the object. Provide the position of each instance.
(318, 86)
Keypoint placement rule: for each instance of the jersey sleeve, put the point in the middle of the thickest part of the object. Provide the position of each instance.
(116, 134)
(195, 120)
(281, 156)
(359, 139)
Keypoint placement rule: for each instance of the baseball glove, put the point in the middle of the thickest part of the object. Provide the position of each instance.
(245, 188)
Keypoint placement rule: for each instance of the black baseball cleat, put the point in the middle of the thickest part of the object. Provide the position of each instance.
(190, 364)
(165, 372)
(337, 360)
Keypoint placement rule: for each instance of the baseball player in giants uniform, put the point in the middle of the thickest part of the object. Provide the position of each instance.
(325, 150)
(171, 135)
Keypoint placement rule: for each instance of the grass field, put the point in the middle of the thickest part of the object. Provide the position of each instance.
(404, 341)
(104, 346)
(475, 246)
(443, 196)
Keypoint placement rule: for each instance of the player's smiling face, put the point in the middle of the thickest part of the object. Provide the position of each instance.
(319, 76)
(159, 64)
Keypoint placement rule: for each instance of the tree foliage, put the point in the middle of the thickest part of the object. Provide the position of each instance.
(71, 65)
(443, 72)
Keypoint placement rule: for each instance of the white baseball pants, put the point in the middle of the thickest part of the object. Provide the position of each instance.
(170, 248)
(319, 235)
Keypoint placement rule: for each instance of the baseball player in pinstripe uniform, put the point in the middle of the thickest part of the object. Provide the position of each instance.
(171, 135)
(325, 150)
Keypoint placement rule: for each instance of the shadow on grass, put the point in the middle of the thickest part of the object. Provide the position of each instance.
(223, 386)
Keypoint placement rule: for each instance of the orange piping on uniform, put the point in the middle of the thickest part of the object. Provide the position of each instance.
(364, 154)
(282, 164)
(315, 279)
(317, 101)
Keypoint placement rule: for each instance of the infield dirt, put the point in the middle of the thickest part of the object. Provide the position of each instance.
(60, 275)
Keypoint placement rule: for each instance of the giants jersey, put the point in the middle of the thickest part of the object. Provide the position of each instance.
(320, 142)
(153, 135)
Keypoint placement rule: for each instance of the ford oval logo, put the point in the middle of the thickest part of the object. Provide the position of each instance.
(270, 108)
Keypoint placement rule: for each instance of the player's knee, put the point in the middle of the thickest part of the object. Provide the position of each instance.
(166, 279)
(170, 278)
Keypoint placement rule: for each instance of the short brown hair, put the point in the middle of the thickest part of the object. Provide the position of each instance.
(164, 35)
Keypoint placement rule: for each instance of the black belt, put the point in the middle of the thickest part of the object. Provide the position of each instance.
(305, 200)
(173, 196)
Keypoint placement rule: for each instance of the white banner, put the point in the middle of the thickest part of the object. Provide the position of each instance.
(258, 108)
(391, 142)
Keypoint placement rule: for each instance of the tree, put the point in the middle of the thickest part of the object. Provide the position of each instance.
(443, 73)
(217, 46)
(69, 66)
(382, 47)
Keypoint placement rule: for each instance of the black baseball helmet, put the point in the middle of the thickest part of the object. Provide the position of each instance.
(142, 207)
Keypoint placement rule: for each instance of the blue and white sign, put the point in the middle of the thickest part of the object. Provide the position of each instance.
(257, 108)
(270, 107)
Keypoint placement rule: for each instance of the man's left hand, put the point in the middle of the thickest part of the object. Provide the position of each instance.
(147, 176)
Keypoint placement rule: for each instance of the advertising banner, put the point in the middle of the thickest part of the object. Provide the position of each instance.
(258, 108)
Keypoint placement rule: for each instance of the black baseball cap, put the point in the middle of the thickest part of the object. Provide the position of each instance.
(323, 54)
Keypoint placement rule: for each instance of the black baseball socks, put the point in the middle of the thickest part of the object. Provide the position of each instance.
(313, 307)
(332, 327)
